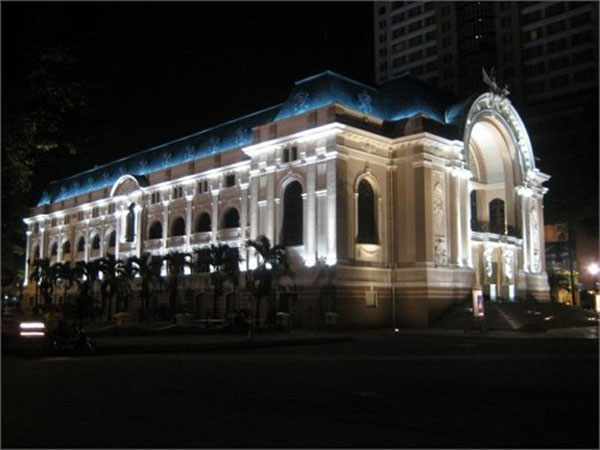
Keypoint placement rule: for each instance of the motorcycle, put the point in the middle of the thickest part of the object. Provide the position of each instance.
(71, 338)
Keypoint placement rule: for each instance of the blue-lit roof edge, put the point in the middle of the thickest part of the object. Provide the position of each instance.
(141, 152)
(337, 75)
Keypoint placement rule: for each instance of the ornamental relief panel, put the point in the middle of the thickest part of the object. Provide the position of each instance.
(440, 253)
(438, 204)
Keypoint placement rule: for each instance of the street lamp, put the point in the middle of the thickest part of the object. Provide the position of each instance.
(594, 270)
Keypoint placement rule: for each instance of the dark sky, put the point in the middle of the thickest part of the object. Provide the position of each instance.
(158, 71)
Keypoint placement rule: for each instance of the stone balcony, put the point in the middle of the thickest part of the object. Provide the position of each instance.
(228, 234)
(153, 244)
(126, 247)
(176, 241)
(200, 238)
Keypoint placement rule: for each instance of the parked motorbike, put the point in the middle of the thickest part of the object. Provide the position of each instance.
(71, 339)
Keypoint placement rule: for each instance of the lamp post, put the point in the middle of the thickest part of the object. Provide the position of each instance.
(594, 270)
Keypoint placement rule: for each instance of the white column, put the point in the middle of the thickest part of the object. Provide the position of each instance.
(253, 199)
(118, 228)
(59, 246)
(165, 228)
(270, 231)
(311, 219)
(27, 244)
(465, 224)
(188, 221)
(139, 237)
(456, 220)
(331, 212)
(42, 252)
(215, 214)
(243, 213)
(86, 251)
(523, 193)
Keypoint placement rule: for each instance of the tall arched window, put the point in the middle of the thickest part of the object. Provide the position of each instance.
(231, 218)
(155, 231)
(112, 239)
(178, 227)
(66, 248)
(130, 226)
(203, 223)
(81, 244)
(497, 216)
(96, 242)
(474, 224)
(367, 233)
(292, 214)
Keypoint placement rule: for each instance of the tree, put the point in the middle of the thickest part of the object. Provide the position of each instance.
(43, 116)
(176, 264)
(327, 291)
(87, 273)
(223, 263)
(41, 275)
(272, 266)
(149, 269)
(109, 267)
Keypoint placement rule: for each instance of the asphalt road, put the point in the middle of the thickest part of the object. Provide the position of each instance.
(377, 391)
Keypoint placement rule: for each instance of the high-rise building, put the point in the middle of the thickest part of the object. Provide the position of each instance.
(541, 50)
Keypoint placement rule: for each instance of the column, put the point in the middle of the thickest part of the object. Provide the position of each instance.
(118, 229)
(455, 223)
(331, 212)
(86, 251)
(188, 221)
(270, 231)
(522, 192)
(215, 214)
(139, 238)
(253, 199)
(59, 246)
(27, 245)
(465, 223)
(165, 228)
(243, 212)
(311, 219)
(42, 253)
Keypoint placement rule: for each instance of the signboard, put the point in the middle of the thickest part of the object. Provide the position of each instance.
(478, 303)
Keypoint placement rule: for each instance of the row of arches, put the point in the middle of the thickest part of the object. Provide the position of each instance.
(231, 219)
(66, 246)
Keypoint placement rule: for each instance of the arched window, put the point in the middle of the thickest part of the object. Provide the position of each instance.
(112, 239)
(367, 234)
(178, 227)
(66, 248)
(497, 216)
(96, 242)
(155, 231)
(474, 224)
(203, 223)
(54, 249)
(231, 218)
(130, 224)
(292, 214)
(81, 244)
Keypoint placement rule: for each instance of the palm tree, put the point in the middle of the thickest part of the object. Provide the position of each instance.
(176, 264)
(62, 273)
(148, 267)
(223, 263)
(87, 273)
(273, 265)
(109, 267)
(126, 272)
(39, 274)
(327, 290)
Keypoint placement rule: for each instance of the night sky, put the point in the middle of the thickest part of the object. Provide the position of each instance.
(159, 71)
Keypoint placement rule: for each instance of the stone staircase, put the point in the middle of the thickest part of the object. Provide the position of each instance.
(516, 316)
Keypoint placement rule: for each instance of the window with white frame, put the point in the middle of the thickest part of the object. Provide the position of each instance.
(202, 186)
(177, 192)
(155, 197)
(95, 212)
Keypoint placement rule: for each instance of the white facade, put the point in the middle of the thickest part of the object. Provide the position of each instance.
(426, 252)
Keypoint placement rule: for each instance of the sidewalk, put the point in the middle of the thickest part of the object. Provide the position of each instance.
(194, 342)
(109, 345)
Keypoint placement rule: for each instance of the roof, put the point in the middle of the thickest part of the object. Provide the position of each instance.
(391, 101)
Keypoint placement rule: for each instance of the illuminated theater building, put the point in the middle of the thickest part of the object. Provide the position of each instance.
(413, 195)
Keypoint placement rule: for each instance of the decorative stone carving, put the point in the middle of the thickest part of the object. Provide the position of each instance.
(440, 256)
(536, 263)
(364, 102)
(438, 204)
(507, 263)
(488, 268)
(301, 101)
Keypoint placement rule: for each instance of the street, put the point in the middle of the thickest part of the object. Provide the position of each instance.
(377, 391)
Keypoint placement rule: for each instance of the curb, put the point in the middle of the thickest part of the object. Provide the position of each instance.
(198, 347)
